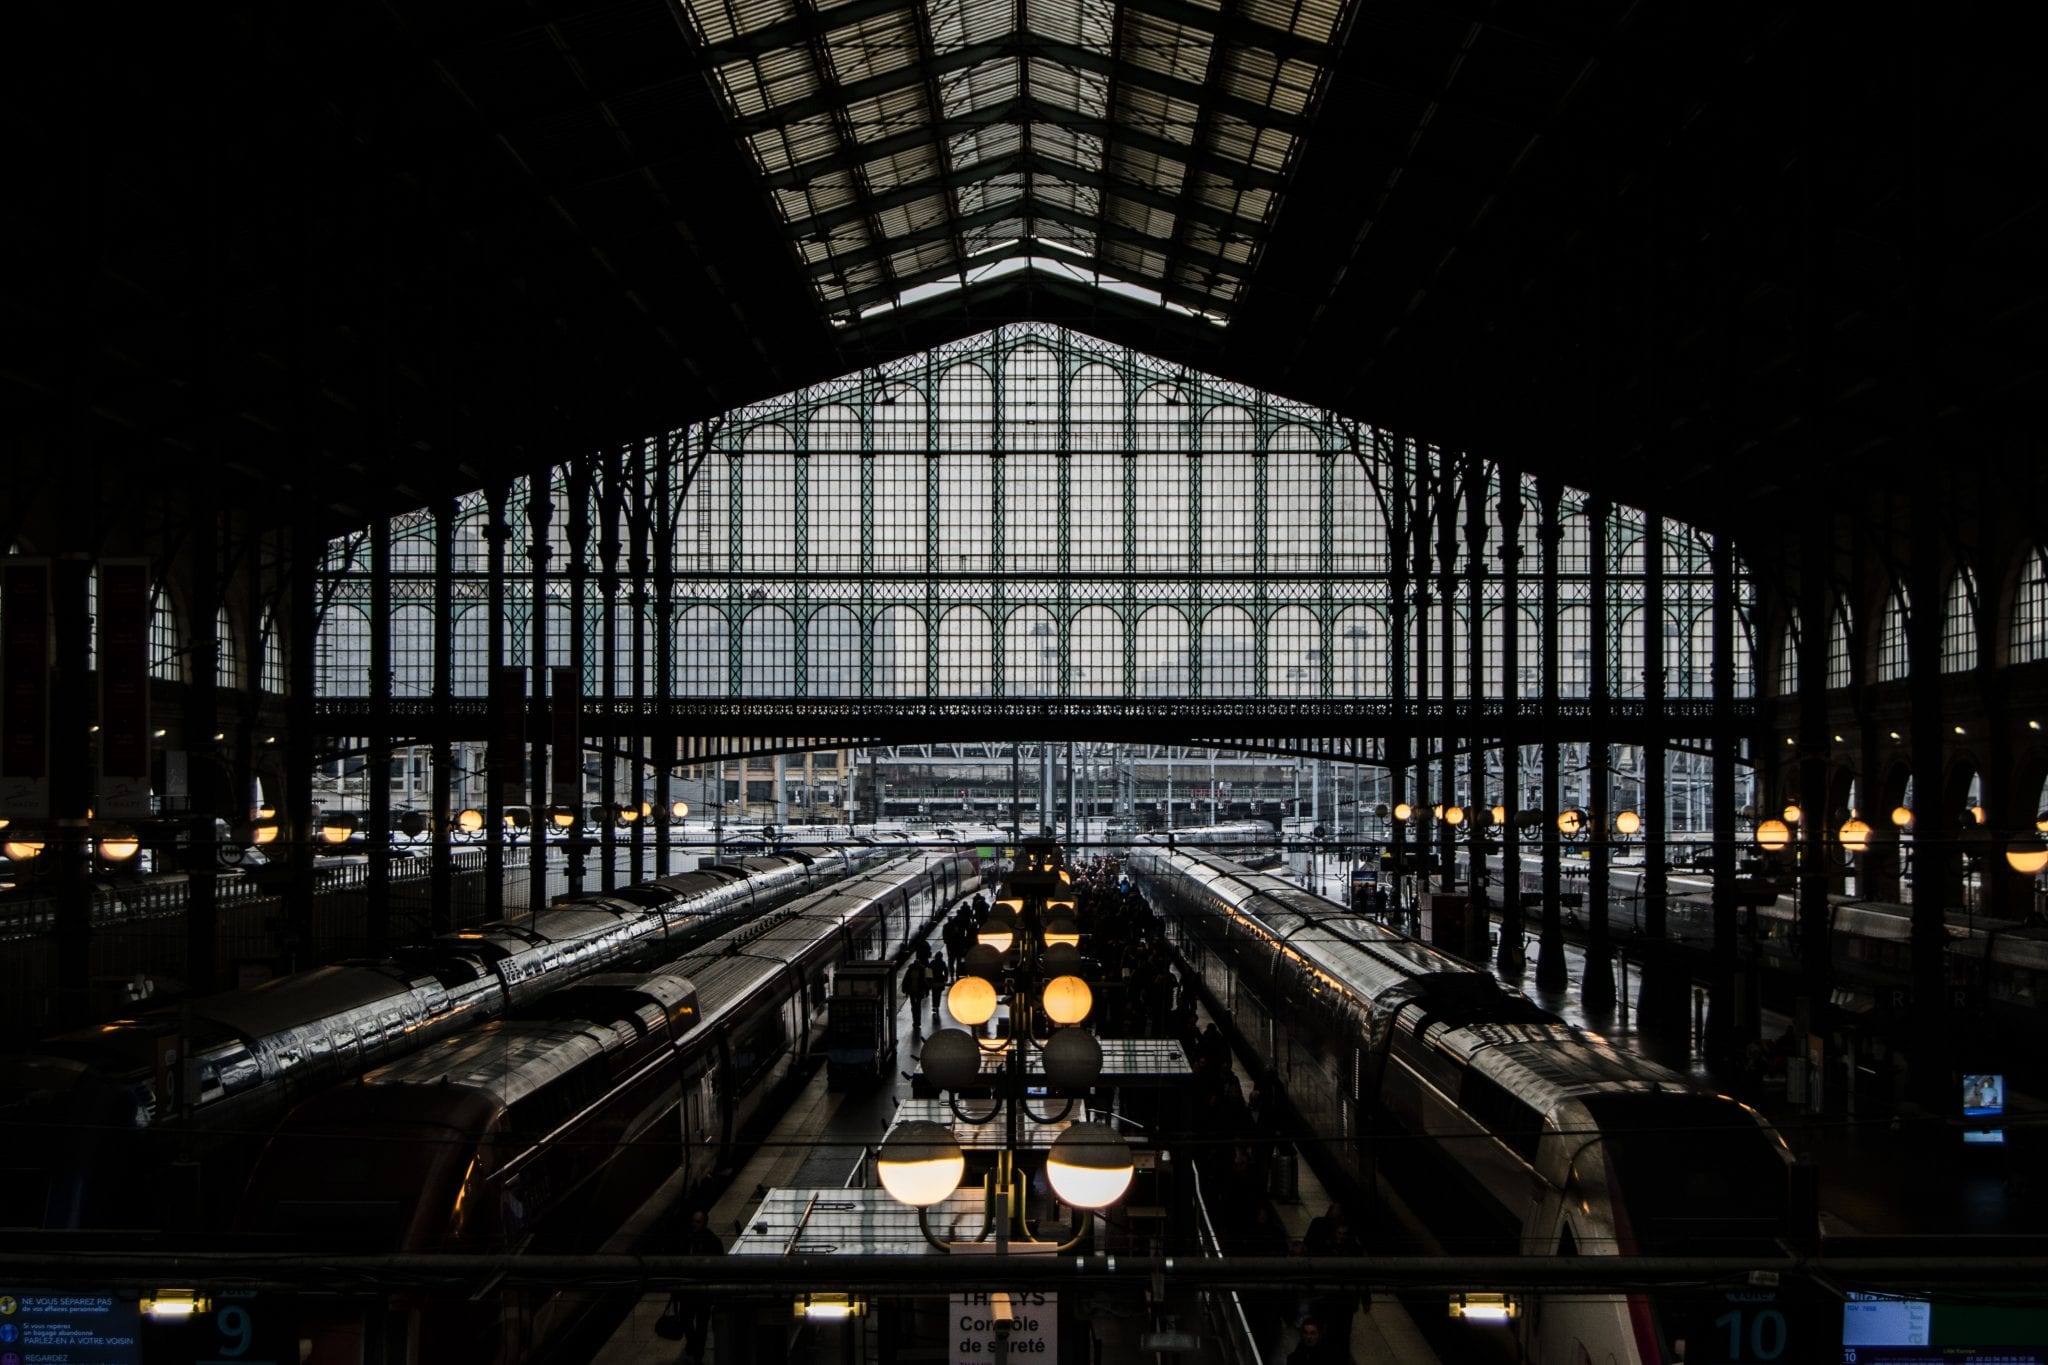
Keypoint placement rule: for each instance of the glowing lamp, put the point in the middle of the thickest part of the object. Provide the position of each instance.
(561, 817)
(680, 810)
(1454, 816)
(998, 932)
(971, 1001)
(1902, 818)
(1571, 821)
(1793, 815)
(2026, 858)
(1773, 835)
(21, 850)
(1062, 931)
(119, 848)
(1483, 1307)
(335, 829)
(1403, 811)
(920, 1163)
(1089, 1166)
(1854, 834)
(830, 1307)
(1500, 815)
(174, 1303)
(1628, 822)
(629, 813)
(1068, 999)
(263, 832)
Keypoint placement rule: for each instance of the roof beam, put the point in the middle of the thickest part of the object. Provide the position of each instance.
(1021, 162)
(1187, 298)
(1024, 208)
(1024, 110)
(1019, 47)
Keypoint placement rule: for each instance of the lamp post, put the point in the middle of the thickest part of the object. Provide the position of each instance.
(1089, 1166)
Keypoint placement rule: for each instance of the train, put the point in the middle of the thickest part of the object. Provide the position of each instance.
(1996, 970)
(541, 1131)
(85, 1107)
(1546, 1139)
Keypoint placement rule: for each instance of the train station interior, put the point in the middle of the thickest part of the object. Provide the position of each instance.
(1190, 681)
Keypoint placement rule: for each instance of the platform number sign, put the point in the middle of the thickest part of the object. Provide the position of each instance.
(1752, 1332)
(234, 1330)
(1745, 1327)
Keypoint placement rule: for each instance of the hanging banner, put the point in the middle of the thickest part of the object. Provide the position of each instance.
(565, 770)
(508, 735)
(25, 688)
(124, 612)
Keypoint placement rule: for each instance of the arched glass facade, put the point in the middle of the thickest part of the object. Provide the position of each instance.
(1031, 513)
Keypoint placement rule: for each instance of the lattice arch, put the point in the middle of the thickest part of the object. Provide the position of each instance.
(1035, 513)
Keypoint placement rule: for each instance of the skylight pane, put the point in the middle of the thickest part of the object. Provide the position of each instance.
(1248, 203)
(977, 145)
(994, 234)
(719, 21)
(1084, 92)
(1256, 75)
(1165, 47)
(1140, 218)
(872, 47)
(1161, 115)
(887, 114)
(994, 192)
(978, 87)
(1315, 20)
(963, 23)
(1163, 173)
(1064, 144)
(1086, 24)
(904, 168)
(1082, 199)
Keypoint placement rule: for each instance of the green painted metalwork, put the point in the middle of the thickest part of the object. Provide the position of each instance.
(1113, 522)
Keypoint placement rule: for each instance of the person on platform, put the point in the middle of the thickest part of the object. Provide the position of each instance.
(700, 1241)
(1313, 1349)
(916, 978)
(940, 975)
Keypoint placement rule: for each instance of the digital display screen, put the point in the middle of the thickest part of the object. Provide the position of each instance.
(1868, 1320)
(1983, 1096)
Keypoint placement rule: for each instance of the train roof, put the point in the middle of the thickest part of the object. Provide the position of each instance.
(508, 1059)
(291, 1001)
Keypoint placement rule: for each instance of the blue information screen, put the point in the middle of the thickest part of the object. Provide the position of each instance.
(49, 1328)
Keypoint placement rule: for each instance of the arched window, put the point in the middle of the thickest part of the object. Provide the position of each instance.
(166, 661)
(767, 653)
(1031, 653)
(899, 653)
(1097, 653)
(412, 652)
(1892, 654)
(273, 674)
(1574, 627)
(228, 666)
(832, 654)
(703, 645)
(1359, 649)
(1788, 656)
(2030, 611)
(1959, 624)
(1294, 652)
(1229, 655)
(471, 676)
(1162, 654)
(1841, 653)
(966, 651)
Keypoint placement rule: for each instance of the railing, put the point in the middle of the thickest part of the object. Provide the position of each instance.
(1228, 1326)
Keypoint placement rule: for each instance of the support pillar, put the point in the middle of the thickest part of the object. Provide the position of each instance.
(1550, 964)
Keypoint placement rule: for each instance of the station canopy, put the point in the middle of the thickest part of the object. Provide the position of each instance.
(917, 146)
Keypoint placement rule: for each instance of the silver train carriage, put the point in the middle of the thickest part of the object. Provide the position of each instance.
(251, 1054)
(1556, 1141)
(546, 1129)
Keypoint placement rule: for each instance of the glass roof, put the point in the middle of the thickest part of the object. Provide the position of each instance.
(909, 145)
